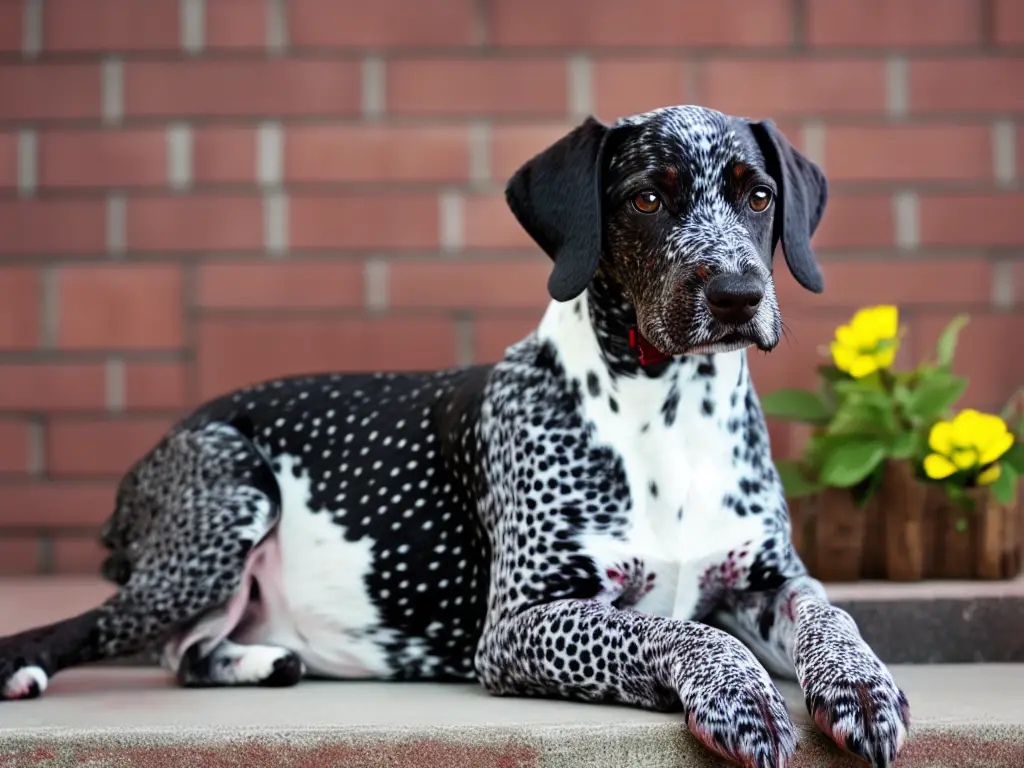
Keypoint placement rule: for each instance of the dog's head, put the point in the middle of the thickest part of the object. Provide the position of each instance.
(682, 209)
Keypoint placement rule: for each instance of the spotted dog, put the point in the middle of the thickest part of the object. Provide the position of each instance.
(595, 517)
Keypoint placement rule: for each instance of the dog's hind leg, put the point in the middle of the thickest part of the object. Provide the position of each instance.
(188, 517)
(232, 664)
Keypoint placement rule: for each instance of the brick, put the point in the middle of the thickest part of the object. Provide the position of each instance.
(954, 85)
(773, 88)
(11, 24)
(909, 152)
(982, 354)
(493, 335)
(855, 222)
(491, 225)
(348, 153)
(111, 25)
(513, 145)
(853, 283)
(53, 227)
(233, 353)
(8, 160)
(195, 223)
(120, 307)
(378, 222)
(19, 308)
(657, 23)
(381, 24)
(972, 220)
(498, 87)
(52, 386)
(894, 22)
(99, 447)
(236, 24)
(14, 446)
(469, 284)
(48, 504)
(77, 556)
(1008, 22)
(155, 387)
(102, 158)
(629, 86)
(224, 155)
(281, 285)
(226, 88)
(19, 555)
(50, 91)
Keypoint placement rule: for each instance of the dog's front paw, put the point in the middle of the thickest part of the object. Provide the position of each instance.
(868, 716)
(734, 708)
(852, 696)
(25, 681)
(749, 727)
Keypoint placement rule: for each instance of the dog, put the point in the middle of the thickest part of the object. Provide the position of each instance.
(596, 517)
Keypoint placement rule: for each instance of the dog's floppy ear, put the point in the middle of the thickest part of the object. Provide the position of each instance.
(556, 196)
(803, 192)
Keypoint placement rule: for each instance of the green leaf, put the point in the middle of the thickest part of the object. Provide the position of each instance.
(794, 479)
(934, 396)
(945, 348)
(1014, 458)
(903, 445)
(863, 414)
(795, 405)
(871, 383)
(863, 491)
(849, 462)
(1003, 487)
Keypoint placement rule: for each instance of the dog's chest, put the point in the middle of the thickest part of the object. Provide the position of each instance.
(691, 545)
(679, 440)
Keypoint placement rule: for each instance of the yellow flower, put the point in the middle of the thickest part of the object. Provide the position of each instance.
(972, 440)
(868, 343)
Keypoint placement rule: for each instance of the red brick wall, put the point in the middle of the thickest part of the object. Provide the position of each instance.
(197, 194)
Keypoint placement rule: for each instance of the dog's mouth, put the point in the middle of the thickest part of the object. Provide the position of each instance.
(730, 342)
(659, 346)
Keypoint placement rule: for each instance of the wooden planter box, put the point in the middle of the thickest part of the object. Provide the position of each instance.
(908, 531)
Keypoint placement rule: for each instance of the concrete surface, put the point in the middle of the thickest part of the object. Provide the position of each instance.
(963, 715)
(969, 715)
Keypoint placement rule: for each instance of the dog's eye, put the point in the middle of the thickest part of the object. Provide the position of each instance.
(647, 202)
(760, 199)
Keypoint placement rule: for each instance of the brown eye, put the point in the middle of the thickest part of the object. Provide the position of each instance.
(760, 199)
(647, 202)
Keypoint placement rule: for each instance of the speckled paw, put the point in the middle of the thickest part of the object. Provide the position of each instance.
(748, 728)
(868, 717)
(25, 682)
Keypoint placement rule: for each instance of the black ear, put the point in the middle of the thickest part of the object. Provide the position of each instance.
(556, 196)
(803, 192)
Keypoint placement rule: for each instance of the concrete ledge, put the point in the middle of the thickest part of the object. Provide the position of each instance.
(963, 715)
(931, 622)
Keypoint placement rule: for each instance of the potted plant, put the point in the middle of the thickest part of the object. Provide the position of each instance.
(974, 468)
(858, 492)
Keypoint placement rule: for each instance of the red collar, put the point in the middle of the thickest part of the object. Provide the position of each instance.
(646, 353)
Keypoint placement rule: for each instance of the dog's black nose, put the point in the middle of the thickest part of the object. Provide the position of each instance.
(734, 299)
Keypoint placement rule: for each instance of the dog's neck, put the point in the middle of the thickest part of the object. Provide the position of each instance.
(613, 320)
(592, 335)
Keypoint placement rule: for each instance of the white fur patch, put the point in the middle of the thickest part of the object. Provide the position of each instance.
(312, 586)
(20, 683)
